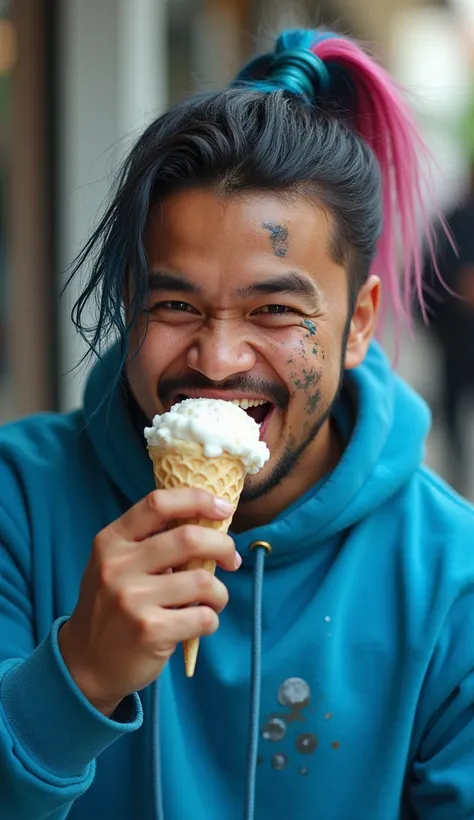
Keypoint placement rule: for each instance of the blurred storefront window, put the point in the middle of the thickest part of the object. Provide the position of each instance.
(208, 39)
(7, 61)
(27, 311)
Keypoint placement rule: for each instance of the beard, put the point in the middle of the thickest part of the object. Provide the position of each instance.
(287, 462)
(291, 456)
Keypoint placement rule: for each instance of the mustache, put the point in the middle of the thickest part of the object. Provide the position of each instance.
(277, 394)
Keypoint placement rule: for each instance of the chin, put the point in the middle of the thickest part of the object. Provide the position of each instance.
(256, 486)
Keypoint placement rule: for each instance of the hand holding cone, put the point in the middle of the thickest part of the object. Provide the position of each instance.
(207, 443)
(222, 476)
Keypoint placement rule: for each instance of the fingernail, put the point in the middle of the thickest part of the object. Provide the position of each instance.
(237, 560)
(223, 506)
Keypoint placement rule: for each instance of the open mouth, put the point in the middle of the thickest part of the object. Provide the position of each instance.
(258, 409)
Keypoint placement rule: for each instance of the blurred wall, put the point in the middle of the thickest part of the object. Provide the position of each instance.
(27, 315)
(112, 80)
(427, 55)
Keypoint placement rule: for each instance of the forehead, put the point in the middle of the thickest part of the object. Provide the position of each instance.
(204, 234)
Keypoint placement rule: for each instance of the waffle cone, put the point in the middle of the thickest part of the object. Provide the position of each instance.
(223, 476)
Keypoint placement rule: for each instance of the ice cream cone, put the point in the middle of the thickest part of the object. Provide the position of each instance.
(223, 476)
(208, 443)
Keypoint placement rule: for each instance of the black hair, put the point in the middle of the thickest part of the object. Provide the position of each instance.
(265, 135)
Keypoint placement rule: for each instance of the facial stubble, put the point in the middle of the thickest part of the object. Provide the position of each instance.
(289, 460)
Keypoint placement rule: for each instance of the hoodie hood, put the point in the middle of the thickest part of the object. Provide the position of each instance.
(384, 446)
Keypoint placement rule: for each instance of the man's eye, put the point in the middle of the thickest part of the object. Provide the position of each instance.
(182, 307)
(274, 310)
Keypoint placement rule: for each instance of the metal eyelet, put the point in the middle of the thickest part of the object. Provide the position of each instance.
(255, 545)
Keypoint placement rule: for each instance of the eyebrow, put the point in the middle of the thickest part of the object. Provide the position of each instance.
(160, 280)
(292, 283)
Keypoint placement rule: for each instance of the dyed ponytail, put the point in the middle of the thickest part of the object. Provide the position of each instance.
(384, 121)
(365, 94)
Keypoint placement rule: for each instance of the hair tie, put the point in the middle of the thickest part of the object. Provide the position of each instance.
(298, 70)
(301, 71)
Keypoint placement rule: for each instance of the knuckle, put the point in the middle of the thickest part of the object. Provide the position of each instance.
(202, 497)
(149, 628)
(190, 539)
(125, 599)
(156, 635)
(143, 630)
(99, 546)
(203, 580)
(155, 501)
(107, 575)
(110, 569)
(208, 619)
(228, 546)
(224, 594)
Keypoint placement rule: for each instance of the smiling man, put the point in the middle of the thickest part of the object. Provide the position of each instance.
(229, 315)
(243, 257)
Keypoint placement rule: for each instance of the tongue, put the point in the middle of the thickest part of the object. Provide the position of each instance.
(258, 413)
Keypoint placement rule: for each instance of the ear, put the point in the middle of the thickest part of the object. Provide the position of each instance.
(363, 322)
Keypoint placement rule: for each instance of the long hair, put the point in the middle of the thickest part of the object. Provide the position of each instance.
(317, 117)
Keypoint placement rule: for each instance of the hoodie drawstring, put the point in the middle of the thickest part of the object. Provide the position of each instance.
(260, 548)
(158, 813)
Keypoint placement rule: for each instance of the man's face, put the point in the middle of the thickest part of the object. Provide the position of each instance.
(245, 303)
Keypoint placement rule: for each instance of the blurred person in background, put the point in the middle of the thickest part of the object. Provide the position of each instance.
(449, 300)
(243, 257)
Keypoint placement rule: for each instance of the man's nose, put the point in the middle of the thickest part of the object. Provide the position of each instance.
(220, 351)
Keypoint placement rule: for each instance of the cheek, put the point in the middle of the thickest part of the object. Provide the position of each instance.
(312, 368)
(155, 346)
(303, 367)
(305, 382)
(148, 359)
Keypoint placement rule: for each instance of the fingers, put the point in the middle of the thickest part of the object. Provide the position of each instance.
(191, 541)
(156, 510)
(168, 628)
(187, 588)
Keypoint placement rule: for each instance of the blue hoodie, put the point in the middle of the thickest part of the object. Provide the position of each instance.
(367, 683)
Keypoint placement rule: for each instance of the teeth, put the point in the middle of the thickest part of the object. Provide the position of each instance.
(243, 403)
(246, 403)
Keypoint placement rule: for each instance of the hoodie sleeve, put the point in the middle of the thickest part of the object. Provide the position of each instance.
(442, 784)
(50, 735)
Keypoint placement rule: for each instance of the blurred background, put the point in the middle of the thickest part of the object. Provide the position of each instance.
(78, 81)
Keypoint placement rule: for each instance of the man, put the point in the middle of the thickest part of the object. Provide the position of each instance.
(242, 258)
(450, 301)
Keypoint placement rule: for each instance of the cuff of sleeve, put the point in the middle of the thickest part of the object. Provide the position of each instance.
(50, 717)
